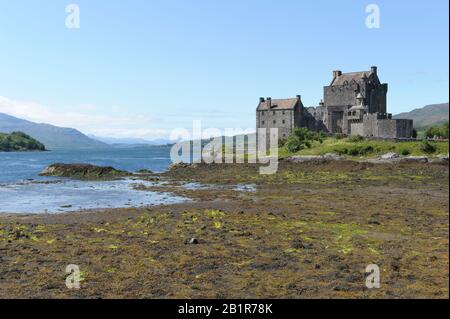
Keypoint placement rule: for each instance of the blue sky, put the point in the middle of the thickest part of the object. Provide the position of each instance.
(140, 68)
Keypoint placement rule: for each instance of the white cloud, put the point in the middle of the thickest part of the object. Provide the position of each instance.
(116, 125)
(113, 121)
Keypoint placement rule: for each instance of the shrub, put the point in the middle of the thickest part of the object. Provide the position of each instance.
(340, 151)
(302, 138)
(356, 150)
(438, 131)
(414, 133)
(294, 144)
(355, 139)
(405, 152)
(353, 151)
(428, 147)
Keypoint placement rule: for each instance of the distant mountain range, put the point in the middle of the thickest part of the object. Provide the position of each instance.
(53, 137)
(429, 115)
(130, 141)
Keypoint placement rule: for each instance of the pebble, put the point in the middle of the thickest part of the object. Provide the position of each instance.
(192, 241)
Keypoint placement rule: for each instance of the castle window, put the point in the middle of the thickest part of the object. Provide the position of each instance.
(262, 113)
(274, 122)
(273, 112)
(284, 112)
(284, 121)
(262, 122)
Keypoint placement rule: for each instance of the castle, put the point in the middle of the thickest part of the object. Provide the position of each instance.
(353, 104)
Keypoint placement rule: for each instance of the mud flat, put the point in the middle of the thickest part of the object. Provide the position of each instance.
(308, 231)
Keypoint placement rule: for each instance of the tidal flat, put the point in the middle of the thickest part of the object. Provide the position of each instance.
(308, 231)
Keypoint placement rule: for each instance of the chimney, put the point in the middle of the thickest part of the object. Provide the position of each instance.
(321, 103)
(299, 97)
(337, 73)
(261, 99)
(269, 102)
(373, 70)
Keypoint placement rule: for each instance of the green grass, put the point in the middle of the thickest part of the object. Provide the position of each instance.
(366, 148)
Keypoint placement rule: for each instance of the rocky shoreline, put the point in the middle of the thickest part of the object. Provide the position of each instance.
(83, 171)
(307, 231)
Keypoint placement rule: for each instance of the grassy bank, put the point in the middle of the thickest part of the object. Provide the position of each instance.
(367, 148)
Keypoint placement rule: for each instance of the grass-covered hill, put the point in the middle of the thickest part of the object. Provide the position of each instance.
(53, 137)
(430, 115)
(19, 142)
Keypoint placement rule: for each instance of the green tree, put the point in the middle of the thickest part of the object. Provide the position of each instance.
(302, 138)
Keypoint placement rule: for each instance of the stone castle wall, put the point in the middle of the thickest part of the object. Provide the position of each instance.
(284, 120)
(376, 125)
(332, 115)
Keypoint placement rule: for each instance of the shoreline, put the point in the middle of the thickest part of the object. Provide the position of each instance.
(170, 178)
(302, 233)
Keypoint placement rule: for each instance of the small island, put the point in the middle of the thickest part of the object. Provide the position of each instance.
(83, 171)
(19, 142)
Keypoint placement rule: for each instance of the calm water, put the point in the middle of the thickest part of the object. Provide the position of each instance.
(22, 190)
(15, 167)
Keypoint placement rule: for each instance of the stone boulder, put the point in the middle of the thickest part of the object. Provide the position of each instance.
(306, 159)
(389, 156)
(415, 159)
(315, 158)
(441, 159)
(333, 157)
(83, 171)
(180, 165)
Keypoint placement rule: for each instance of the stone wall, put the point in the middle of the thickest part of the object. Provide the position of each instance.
(378, 100)
(357, 128)
(344, 96)
(284, 120)
(340, 95)
(380, 125)
(405, 128)
(314, 119)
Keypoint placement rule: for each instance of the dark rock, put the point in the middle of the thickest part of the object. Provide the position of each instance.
(83, 171)
(373, 222)
(355, 277)
(415, 159)
(297, 244)
(175, 166)
(145, 171)
(192, 241)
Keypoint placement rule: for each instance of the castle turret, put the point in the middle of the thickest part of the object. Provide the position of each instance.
(374, 70)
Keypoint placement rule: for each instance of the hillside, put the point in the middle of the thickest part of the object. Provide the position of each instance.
(19, 142)
(53, 137)
(130, 141)
(429, 115)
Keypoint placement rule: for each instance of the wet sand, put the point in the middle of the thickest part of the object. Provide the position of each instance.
(308, 231)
